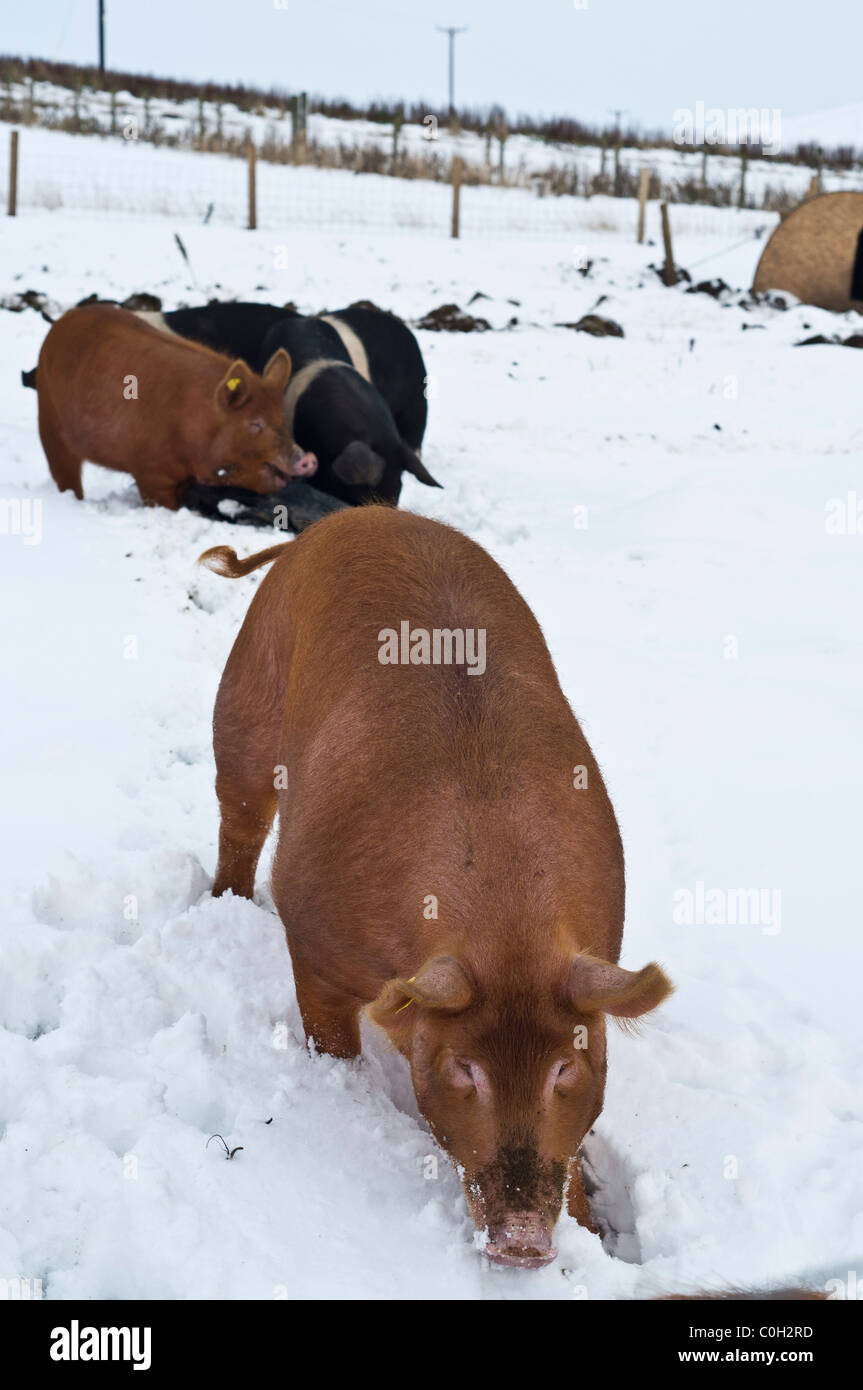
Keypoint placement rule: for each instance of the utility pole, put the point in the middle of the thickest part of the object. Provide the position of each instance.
(617, 113)
(452, 31)
(101, 35)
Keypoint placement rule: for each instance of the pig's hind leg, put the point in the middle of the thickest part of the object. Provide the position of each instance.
(246, 728)
(64, 465)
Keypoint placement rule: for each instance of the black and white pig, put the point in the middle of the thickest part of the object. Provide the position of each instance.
(357, 395)
(339, 410)
(384, 350)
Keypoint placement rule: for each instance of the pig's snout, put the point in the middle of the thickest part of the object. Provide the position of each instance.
(292, 463)
(303, 464)
(522, 1241)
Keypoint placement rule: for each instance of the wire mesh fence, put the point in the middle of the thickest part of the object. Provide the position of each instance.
(97, 174)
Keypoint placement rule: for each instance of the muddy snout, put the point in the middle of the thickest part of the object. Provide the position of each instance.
(521, 1240)
(516, 1199)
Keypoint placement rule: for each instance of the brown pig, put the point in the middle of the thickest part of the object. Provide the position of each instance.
(439, 862)
(116, 391)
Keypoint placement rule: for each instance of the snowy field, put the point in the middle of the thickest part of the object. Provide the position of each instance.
(667, 503)
(131, 174)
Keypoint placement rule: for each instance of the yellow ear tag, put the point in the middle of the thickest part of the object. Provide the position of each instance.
(233, 383)
(410, 1001)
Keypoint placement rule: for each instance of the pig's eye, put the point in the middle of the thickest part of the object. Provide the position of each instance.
(566, 1077)
(461, 1075)
(256, 426)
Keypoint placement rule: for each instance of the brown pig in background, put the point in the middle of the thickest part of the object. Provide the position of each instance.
(116, 391)
(435, 861)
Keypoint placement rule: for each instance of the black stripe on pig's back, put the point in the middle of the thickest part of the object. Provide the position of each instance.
(233, 328)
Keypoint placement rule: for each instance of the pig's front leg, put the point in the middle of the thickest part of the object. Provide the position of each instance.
(330, 1019)
(576, 1198)
(159, 493)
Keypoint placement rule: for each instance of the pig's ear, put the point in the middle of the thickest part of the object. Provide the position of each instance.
(359, 464)
(597, 986)
(441, 984)
(278, 370)
(235, 387)
(412, 463)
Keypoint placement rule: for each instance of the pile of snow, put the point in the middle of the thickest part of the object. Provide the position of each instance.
(705, 625)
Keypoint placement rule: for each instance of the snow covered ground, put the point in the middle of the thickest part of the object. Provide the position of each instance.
(706, 627)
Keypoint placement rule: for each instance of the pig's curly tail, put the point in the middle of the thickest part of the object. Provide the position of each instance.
(221, 559)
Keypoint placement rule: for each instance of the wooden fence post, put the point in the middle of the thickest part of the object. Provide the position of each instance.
(669, 274)
(12, 206)
(643, 190)
(744, 160)
(304, 134)
(398, 122)
(815, 181)
(299, 104)
(456, 194)
(253, 187)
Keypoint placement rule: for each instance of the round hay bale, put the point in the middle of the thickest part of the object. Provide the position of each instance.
(815, 253)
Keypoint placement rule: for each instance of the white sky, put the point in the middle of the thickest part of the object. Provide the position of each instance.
(544, 57)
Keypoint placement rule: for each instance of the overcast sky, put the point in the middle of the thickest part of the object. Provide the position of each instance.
(543, 57)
